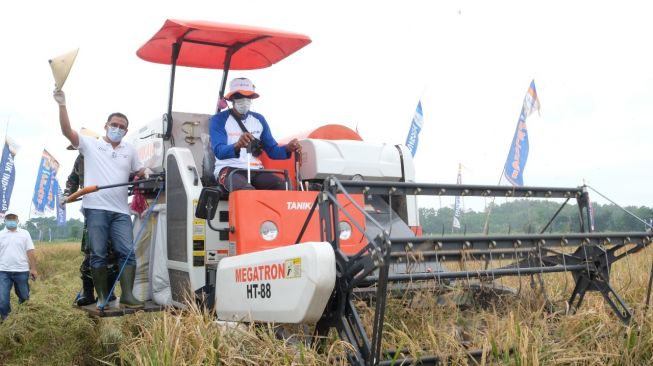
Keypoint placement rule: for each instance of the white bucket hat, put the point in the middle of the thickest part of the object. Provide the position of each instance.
(242, 86)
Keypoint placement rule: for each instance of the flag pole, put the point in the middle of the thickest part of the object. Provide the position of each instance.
(457, 205)
(528, 106)
(486, 227)
(7, 181)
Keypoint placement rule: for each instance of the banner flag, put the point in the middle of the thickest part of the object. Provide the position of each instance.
(61, 209)
(516, 161)
(8, 174)
(52, 193)
(43, 190)
(457, 207)
(415, 128)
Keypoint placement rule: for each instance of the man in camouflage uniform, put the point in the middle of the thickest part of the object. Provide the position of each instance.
(86, 297)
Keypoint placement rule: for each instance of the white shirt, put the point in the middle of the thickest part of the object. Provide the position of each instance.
(13, 250)
(255, 127)
(104, 165)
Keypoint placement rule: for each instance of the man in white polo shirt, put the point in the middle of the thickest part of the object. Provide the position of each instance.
(17, 263)
(107, 160)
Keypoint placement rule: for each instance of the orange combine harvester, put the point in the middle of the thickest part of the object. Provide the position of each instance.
(348, 221)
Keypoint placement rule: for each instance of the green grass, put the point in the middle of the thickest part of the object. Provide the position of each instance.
(518, 331)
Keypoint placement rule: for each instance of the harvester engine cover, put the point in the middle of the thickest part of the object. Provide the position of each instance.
(345, 159)
(291, 284)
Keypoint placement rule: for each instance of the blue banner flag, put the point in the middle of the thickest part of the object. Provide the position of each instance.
(61, 209)
(8, 174)
(44, 188)
(457, 208)
(52, 193)
(415, 128)
(516, 161)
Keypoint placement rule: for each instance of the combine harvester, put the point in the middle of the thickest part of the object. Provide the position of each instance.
(351, 204)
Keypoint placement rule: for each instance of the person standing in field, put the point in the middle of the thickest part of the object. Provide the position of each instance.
(107, 161)
(74, 182)
(17, 263)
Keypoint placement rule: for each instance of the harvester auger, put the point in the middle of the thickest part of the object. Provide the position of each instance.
(531, 254)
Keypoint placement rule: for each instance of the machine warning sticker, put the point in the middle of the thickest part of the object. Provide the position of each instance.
(232, 248)
(293, 268)
(214, 256)
(199, 226)
(198, 261)
(222, 253)
(211, 256)
(198, 229)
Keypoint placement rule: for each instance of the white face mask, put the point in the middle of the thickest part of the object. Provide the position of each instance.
(242, 105)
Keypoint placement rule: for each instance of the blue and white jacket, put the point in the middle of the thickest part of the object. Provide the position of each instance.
(225, 132)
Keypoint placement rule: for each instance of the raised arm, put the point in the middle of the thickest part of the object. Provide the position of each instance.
(64, 121)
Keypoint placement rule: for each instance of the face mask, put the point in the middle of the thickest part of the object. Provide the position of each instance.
(11, 224)
(115, 134)
(242, 105)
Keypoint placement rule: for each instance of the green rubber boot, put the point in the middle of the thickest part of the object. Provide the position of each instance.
(127, 298)
(101, 287)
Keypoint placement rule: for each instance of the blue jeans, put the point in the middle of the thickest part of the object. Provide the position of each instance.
(102, 225)
(21, 286)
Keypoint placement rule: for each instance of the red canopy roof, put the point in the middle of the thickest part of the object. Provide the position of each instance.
(205, 44)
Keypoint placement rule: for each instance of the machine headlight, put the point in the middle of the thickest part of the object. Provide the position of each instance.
(345, 230)
(269, 231)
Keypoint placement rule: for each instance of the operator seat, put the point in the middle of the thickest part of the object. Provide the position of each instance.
(208, 180)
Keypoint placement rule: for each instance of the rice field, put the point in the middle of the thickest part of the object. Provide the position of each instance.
(528, 328)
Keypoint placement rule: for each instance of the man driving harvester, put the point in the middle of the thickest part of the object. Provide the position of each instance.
(107, 161)
(238, 138)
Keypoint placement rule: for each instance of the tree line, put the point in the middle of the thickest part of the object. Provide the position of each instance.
(532, 216)
(519, 216)
(46, 229)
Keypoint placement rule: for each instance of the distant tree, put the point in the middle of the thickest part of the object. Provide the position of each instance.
(46, 227)
(75, 229)
(532, 216)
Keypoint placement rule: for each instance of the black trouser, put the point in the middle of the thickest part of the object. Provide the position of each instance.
(260, 180)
